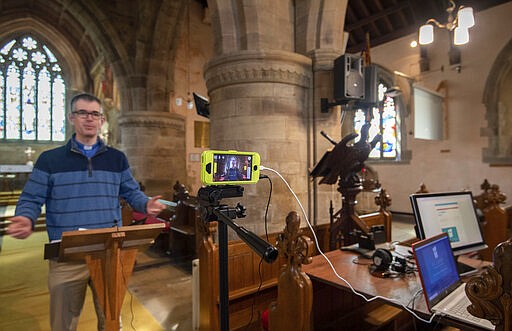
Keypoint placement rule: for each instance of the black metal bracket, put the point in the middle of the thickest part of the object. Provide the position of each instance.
(325, 105)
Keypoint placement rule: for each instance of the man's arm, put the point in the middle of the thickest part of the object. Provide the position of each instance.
(137, 199)
(29, 203)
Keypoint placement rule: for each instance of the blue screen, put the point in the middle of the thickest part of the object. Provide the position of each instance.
(437, 266)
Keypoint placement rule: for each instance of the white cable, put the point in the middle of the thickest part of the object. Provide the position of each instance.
(332, 266)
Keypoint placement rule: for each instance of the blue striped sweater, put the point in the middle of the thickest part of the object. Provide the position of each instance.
(79, 192)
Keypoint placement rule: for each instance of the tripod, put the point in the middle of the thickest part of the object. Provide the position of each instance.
(212, 210)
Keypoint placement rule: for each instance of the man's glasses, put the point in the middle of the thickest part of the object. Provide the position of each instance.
(84, 113)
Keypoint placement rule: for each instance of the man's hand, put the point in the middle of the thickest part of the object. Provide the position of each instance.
(153, 207)
(20, 227)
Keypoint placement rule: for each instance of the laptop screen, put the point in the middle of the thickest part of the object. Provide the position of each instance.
(450, 212)
(437, 267)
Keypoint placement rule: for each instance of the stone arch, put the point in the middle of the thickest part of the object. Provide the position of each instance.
(74, 74)
(325, 25)
(73, 69)
(163, 50)
(137, 63)
(498, 104)
(224, 27)
(105, 37)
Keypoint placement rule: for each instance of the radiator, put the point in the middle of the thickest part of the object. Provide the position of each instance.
(195, 294)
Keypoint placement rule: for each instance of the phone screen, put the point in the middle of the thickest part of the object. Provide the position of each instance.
(232, 168)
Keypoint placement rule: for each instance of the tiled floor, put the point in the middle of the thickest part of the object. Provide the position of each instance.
(166, 289)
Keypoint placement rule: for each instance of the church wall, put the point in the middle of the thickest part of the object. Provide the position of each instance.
(191, 56)
(454, 163)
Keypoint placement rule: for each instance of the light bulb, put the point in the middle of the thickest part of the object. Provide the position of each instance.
(190, 104)
(460, 36)
(465, 17)
(426, 34)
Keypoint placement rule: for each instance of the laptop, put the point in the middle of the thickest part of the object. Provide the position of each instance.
(442, 287)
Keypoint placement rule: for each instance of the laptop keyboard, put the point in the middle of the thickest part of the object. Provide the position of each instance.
(460, 309)
(457, 305)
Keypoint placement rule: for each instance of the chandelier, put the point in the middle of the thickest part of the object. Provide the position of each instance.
(459, 21)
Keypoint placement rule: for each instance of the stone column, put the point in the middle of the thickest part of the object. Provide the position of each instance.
(323, 62)
(259, 101)
(155, 144)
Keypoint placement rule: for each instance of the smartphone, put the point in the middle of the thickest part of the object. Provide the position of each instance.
(229, 167)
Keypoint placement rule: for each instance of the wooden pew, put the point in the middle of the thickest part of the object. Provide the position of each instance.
(363, 222)
(496, 220)
(383, 216)
(422, 189)
(292, 310)
(179, 239)
(182, 237)
(490, 292)
(247, 297)
(183, 219)
(9, 197)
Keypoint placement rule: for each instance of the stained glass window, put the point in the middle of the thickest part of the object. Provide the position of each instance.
(384, 120)
(32, 92)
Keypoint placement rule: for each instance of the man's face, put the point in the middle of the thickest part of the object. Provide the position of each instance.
(86, 124)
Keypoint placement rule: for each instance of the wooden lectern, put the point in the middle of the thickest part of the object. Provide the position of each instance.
(110, 255)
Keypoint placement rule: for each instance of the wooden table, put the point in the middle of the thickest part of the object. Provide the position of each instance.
(334, 300)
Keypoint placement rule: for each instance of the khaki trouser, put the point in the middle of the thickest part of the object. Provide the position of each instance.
(68, 283)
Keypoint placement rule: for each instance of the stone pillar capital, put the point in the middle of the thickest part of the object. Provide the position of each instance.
(152, 119)
(254, 66)
(323, 59)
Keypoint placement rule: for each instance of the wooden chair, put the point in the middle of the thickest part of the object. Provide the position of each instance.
(491, 292)
(496, 221)
(292, 310)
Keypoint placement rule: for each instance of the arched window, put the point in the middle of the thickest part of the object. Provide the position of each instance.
(32, 92)
(386, 118)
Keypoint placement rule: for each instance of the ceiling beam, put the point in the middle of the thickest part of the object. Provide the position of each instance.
(381, 40)
(372, 18)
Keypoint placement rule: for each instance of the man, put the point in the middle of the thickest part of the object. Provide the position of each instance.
(233, 173)
(81, 184)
